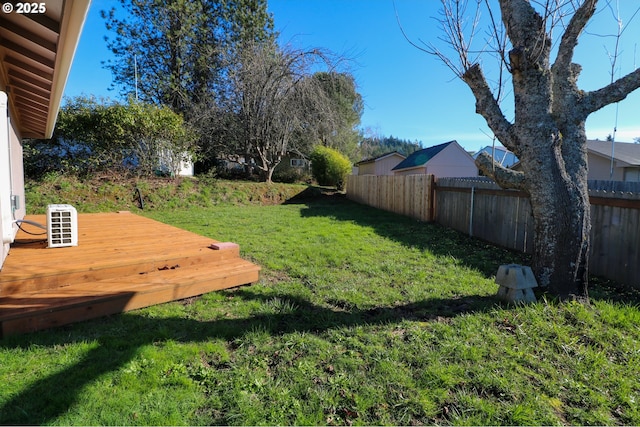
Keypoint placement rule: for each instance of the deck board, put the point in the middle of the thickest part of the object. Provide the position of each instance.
(122, 262)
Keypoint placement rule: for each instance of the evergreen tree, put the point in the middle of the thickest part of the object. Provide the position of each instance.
(376, 146)
(176, 52)
(338, 129)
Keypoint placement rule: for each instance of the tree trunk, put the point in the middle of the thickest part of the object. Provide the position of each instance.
(562, 222)
(548, 131)
(269, 175)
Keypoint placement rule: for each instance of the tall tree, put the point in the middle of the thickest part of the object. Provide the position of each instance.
(275, 100)
(548, 130)
(338, 130)
(176, 52)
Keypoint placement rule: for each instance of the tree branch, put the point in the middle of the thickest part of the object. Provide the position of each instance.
(487, 106)
(517, 16)
(505, 178)
(570, 37)
(614, 92)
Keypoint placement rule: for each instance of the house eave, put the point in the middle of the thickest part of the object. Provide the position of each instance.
(37, 51)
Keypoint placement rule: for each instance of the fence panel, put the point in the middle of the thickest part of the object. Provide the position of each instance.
(615, 231)
(405, 195)
(480, 208)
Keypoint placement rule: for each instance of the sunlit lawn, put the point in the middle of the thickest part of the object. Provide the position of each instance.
(360, 317)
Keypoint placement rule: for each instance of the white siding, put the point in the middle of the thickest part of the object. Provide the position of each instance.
(632, 174)
(186, 168)
(385, 164)
(6, 234)
(11, 179)
(418, 170)
(381, 166)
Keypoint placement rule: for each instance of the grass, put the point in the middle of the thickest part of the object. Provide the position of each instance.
(111, 192)
(360, 317)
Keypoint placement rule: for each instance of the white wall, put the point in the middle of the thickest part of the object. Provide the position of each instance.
(632, 174)
(6, 232)
(418, 170)
(11, 179)
(381, 166)
(368, 168)
(186, 168)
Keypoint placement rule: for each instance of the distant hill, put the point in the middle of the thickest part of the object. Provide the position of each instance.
(374, 147)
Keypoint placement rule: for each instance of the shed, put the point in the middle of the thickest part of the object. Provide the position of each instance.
(443, 161)
(380, 165)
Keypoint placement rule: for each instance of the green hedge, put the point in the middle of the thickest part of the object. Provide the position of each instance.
(329, 167)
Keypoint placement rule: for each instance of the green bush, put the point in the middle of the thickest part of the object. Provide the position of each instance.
(95, 136)
(329, 167)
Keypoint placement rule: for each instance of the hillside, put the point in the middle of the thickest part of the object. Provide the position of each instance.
(113, 193)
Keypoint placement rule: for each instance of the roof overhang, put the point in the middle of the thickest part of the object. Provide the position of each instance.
(36, 52)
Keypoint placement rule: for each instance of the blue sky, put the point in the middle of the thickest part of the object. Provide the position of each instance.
(407, 93)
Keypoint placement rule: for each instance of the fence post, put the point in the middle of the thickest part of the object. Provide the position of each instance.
(431, 198)
(473, 192)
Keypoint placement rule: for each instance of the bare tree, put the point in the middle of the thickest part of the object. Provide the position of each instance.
(550, 110)
(276, 99)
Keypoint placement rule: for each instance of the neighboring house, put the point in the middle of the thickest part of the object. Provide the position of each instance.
(36, 52)
(380, 165)
(297, 162)
(442, 161)
(501, 155)
(292, 168)
(625, 165)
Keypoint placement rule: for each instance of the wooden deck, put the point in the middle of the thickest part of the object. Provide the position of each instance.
(122, 262)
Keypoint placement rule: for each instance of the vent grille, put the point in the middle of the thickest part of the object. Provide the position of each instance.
(62, 226)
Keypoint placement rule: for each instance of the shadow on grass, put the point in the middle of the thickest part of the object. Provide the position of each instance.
(473, 253)
(120, 337)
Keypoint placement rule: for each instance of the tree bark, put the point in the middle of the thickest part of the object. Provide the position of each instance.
(561, 213)
(548, 131)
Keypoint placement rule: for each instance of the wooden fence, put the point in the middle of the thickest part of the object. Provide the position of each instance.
(478, 207)
(410, 195)
(481, 209)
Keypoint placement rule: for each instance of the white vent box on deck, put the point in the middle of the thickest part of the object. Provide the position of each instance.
(62, 226)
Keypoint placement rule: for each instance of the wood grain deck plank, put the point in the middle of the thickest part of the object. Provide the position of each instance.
(122, 262)
(29, 312)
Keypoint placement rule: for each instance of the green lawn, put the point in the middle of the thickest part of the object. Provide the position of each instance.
(360, 317)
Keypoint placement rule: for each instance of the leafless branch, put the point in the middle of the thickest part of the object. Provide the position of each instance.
(459, 35)
(504, 177)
